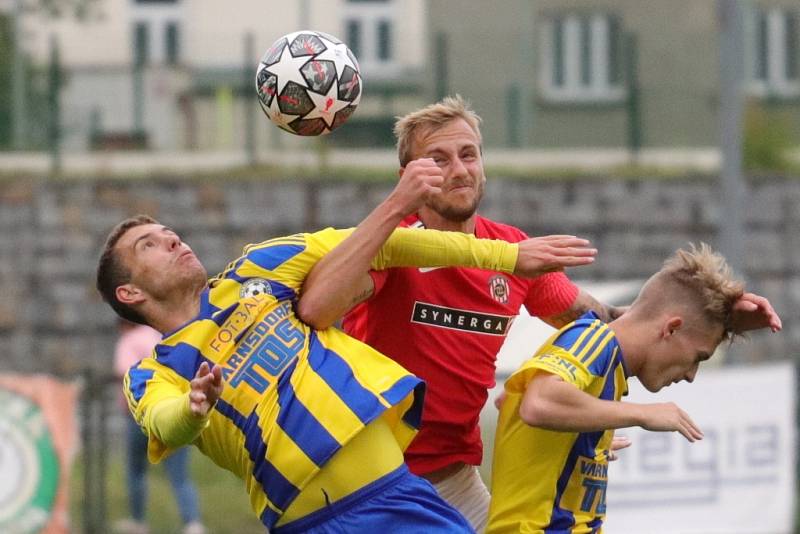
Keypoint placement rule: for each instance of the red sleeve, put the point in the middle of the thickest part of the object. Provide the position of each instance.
(550, 294)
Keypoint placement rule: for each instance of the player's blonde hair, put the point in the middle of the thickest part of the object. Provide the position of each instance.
(423, 120)
(698, 279)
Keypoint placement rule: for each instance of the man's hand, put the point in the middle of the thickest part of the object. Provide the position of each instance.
(206, 388)
(618, 443)
(539, 255)
(668, 417)
(753, 312)
(418, 180)
(498, 401)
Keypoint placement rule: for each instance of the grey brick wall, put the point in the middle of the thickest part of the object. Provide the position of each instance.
(51, 318)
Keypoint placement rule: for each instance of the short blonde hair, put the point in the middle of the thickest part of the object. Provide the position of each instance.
(699, 278)
(423, 120)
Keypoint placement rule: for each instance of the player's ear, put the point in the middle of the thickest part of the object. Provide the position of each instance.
(671, 325)
(400, 172)
(129, 294)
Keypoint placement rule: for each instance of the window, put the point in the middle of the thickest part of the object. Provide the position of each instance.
(581, 58)
(158, 31)
(354, 37)
(384, 40)
(370, 34)
(171, 43)
(774, 69)
(141, 44)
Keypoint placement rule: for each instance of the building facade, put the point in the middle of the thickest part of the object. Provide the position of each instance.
(544, 74)
(177, 75)
(614, 73)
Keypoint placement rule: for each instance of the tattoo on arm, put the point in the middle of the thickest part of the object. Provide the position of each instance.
(584, 302)
(557, 321)
(364, 295)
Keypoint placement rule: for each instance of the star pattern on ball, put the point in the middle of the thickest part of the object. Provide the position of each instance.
(336, 53)
(278, 117)
(294, 85)
(326, 106)
(290, 69)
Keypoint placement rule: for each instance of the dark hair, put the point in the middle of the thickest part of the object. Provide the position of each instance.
(111, 273)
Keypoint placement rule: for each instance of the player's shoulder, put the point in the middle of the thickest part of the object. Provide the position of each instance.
(275, 243)
(582, 328)
(488, 228)
(273, 252)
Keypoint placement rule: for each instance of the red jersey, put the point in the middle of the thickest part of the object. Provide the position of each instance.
(446, 326)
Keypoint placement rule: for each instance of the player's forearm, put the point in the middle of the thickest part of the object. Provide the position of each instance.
(345, 275)
(172, 422)
(408, 247)
(584, 302)
(340, 279)
(553, 404)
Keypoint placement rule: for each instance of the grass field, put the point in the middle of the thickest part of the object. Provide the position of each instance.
(224, 503)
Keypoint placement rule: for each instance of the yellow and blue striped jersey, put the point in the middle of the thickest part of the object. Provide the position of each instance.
(292, 396)
(547, 481)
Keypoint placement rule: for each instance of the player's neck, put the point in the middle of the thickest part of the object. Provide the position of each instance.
(167, 316)
(630, 344)
(434, 221)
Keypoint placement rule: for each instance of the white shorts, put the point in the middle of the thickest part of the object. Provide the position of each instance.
(466, 492)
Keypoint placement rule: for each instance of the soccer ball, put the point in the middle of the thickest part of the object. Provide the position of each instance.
(308, 83)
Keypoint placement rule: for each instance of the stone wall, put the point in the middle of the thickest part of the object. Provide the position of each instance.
(51, 318)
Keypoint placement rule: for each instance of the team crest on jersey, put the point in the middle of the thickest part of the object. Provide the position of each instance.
(255, 287)
(498, 288)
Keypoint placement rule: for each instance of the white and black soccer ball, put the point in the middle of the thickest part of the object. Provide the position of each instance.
(308, 83)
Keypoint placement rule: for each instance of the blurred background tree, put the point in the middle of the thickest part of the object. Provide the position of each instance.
(767, 139)
(80, 9)
(6, 55)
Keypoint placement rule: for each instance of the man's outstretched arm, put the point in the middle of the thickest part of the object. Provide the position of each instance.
(553, 404)
(340, 279)
(177, 421)
(751, 312)
(583, 303)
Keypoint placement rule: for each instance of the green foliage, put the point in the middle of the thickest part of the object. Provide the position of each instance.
(78, 9)
(767, 137)
(36, 90)
(6, 53)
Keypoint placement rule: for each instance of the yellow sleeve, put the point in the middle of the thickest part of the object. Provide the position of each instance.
(554, 360)
(411, 247)
(171, 425)
(159, 401)
(288, 260)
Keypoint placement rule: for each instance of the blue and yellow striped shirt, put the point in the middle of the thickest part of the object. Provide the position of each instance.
(547, 481)
(292, 396)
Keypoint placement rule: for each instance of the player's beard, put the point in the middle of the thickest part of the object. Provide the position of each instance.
(198, 278)
(458, 213)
